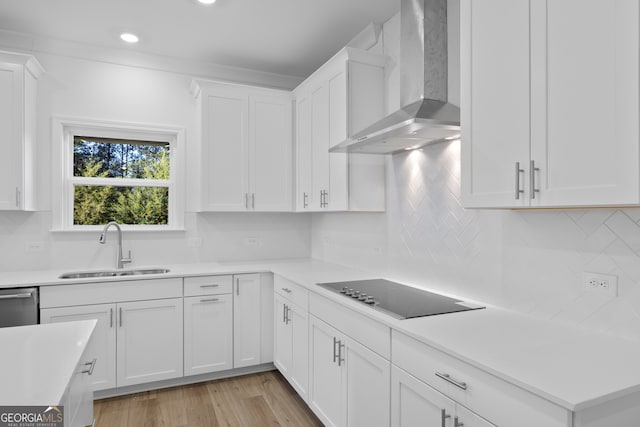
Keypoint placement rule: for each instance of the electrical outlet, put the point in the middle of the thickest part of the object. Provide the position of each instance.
(600, 283)
(251, 241)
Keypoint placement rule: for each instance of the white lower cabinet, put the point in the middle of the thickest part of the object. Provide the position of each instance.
(349, 383)
(147, 333)
(414, 403)
(247, 319)
(77, 399)
(103, 343)
(208, 324)
(137, 339)
(467, 387)
(291, 343)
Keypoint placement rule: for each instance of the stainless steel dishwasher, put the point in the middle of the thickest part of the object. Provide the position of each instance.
(19, 306)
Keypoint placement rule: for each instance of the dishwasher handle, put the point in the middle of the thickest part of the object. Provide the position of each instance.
(21, 295)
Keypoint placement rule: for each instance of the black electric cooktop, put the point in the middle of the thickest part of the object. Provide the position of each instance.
(398, 300)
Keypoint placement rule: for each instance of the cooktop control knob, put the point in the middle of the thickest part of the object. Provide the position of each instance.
(356, 294)
(344, 290)
(362, 297)
(369, 300)
(349, 292)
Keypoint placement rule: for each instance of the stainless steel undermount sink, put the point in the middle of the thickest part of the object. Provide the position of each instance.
(112, 273)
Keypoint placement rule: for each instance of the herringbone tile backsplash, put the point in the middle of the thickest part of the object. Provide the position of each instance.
(531, 261)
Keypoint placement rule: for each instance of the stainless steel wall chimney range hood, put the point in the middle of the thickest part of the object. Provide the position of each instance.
(426, 116)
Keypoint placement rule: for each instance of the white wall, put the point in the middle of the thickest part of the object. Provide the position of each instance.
(94, 89)
(531, 261)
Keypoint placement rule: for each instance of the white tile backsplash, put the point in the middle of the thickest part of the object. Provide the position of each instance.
(222, 237)
(529, 260)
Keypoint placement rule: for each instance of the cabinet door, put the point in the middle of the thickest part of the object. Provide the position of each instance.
(585, 105)
(10, 135)
(102, 346)
(208, 334)
(225, 147)
(367, 387)
(299, 367)
(319, 98)
(414, 403)
(495, 102)
(247, 339)
(304, 193)
(149, 341)
(283, 338)
(271, 152)
(325, 373)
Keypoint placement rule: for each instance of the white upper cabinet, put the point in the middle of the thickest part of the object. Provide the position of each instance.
(550, 106)
(342, 97)
(18, 75)
(247, 147)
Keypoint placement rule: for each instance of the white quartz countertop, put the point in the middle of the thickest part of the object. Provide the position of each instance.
(38, 361)
(572, 367)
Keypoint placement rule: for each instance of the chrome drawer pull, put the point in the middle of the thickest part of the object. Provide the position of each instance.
(448, 379)
(335, 353)
(518, 172)
(91, 365)
(210, 300)
(532, 180)
(209, 286)
(287, 290)
(443, 417)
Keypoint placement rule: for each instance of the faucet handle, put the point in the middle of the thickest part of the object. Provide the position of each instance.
(127, 260)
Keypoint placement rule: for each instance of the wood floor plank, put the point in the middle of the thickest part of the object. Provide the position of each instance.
(257, 400)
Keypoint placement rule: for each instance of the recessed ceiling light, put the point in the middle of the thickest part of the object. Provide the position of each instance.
(207, 1)
(129, 37)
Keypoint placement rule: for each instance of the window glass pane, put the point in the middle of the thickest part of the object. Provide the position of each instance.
(118, 158)
(97, 205)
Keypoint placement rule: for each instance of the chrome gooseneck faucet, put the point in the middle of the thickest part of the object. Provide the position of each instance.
(121, 261)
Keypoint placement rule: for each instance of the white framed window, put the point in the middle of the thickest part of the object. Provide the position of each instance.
(116, 171)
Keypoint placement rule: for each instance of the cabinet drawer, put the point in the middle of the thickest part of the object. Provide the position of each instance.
(109, 292)
(208, 285)
(292, 291)
(361, 328)
(498, 401)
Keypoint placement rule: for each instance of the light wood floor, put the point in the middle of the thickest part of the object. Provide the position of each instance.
(264, 399)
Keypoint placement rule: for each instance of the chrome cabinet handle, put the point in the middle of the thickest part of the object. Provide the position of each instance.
(287, 290)
(444, 417)
(237, 287)
(448, 379)
(335, 353)
(457, 423)
(284, 313)
(210, 300)
(305, 200)
(518, 172)
(121, 317)
(287, 317)
(111, 318)
(340, 358)
(209, 286)
(532, 180)
(91, 365)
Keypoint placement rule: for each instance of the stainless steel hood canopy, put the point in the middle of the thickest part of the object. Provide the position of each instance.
(426, 116)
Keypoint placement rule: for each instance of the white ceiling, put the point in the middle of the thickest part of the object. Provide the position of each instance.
(288, 37)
